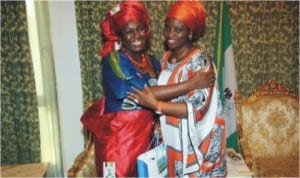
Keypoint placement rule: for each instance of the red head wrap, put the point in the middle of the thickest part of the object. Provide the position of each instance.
(192, 14)
(117, 17)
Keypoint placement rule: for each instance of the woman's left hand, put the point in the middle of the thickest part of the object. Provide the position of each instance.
(144, 97)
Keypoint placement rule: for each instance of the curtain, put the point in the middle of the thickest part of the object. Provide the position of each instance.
(89, 44)
(265, 39)
(20, 135)
(265, 43)
(88, 14)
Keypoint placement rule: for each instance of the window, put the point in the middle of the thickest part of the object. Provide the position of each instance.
(40, 43)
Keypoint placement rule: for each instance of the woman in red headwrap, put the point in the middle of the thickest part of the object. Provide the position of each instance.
(192, 129)
(122, 128)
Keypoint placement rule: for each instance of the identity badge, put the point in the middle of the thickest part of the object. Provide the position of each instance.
(109, 169)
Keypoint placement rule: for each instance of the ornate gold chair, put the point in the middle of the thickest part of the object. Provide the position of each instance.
(268, 129)
(84, 164)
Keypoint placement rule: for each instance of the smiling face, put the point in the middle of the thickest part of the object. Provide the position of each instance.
(133, 37)
(176, 34)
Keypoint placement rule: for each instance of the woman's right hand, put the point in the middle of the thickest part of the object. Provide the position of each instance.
(143, 97)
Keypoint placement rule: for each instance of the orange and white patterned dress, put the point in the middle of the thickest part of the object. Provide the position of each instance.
(196, 144)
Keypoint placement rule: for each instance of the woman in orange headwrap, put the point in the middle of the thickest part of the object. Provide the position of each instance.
(192, 129)
(122, 128)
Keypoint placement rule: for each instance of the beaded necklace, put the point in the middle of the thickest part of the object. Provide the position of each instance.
(141, 64)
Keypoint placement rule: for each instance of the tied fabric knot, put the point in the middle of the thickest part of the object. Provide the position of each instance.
(111, 39)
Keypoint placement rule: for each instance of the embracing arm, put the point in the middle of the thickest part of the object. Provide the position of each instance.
(173, 109)
(199, 80)
(156, 98)
(147, 99)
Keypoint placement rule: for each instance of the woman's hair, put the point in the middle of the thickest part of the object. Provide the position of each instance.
(116, 18)
(192, 14)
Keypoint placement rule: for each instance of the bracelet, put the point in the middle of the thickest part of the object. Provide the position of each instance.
(159, 107)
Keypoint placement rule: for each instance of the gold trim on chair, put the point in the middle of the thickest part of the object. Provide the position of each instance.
(84, 164)
(270, 88)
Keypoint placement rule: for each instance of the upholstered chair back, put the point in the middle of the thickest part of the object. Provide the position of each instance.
(268, 127)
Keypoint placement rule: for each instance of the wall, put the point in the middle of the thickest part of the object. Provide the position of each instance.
(68, 80)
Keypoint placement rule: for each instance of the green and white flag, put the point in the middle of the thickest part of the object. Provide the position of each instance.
(223, 58)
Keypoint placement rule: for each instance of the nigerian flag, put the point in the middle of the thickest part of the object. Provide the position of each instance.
(223, 58)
